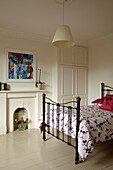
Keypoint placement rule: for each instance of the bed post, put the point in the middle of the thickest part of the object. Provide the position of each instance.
(102, 90)
(44, 138)
(77, 130)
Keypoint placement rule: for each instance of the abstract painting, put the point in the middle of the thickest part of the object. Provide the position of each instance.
(21, 66)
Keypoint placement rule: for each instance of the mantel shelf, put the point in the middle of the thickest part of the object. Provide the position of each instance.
(23, 91)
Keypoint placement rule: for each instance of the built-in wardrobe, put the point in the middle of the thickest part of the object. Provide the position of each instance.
(72, 74)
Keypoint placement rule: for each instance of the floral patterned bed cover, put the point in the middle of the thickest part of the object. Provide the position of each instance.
(96, 126)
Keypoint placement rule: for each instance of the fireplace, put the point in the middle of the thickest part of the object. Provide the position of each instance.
(18, 114)
(13, 101)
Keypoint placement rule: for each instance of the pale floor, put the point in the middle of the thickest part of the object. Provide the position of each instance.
(25, 150)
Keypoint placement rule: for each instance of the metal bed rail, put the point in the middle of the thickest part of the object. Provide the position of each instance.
(58, 106)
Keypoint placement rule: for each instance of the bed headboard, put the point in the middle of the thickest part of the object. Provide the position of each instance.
(105, 88)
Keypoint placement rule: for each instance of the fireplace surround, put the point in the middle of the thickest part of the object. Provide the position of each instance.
(10, 101)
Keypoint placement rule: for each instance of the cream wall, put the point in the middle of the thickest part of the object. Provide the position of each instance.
(46, 60)
(100, 68)
(100, 64)
(46, 56)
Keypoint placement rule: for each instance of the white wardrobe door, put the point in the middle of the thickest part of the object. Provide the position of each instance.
(67, 80)
(82, 84)
(80, 55)
(81, 81)
(66, 56)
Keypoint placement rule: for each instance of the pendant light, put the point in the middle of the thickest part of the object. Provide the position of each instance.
(63, 36)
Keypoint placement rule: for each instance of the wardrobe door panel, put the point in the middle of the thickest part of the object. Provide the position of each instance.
(67, 81)
(81, 81)
(80, 55)
(67, 56)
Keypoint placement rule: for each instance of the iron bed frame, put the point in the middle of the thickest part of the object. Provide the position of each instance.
(58, 105)
(105, 88)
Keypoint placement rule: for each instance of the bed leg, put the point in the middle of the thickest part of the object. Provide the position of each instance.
(77, 130)
(77, 154)
(77, 157)
(44, 137)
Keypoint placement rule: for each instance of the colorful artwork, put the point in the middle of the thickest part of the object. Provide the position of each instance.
(20, 66)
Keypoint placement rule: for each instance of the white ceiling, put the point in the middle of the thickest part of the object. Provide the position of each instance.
(89, 20)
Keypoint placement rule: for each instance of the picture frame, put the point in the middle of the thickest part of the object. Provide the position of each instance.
(21, 66)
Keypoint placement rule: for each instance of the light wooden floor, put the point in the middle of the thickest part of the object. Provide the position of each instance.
(25, 150)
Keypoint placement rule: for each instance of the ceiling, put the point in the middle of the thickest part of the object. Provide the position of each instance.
(89, 20)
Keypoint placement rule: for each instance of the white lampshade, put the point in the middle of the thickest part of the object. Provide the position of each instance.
(63, 37)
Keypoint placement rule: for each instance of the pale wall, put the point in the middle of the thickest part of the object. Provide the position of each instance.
(46, 60)
(100, 68)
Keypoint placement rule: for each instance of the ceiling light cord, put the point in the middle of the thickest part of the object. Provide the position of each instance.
(63, 13)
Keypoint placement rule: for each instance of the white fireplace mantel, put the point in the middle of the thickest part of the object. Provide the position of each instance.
(23, 91)
(11, 100)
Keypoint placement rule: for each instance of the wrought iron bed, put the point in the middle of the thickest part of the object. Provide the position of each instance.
(105, 88)
(46, 105)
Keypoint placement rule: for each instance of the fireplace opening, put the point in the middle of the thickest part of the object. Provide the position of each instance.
(20, 112)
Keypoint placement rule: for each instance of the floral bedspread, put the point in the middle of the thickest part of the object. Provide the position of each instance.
(96, 126)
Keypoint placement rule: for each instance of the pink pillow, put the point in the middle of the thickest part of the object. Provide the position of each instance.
(109, 95)
(98, 101)
(107, 103)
